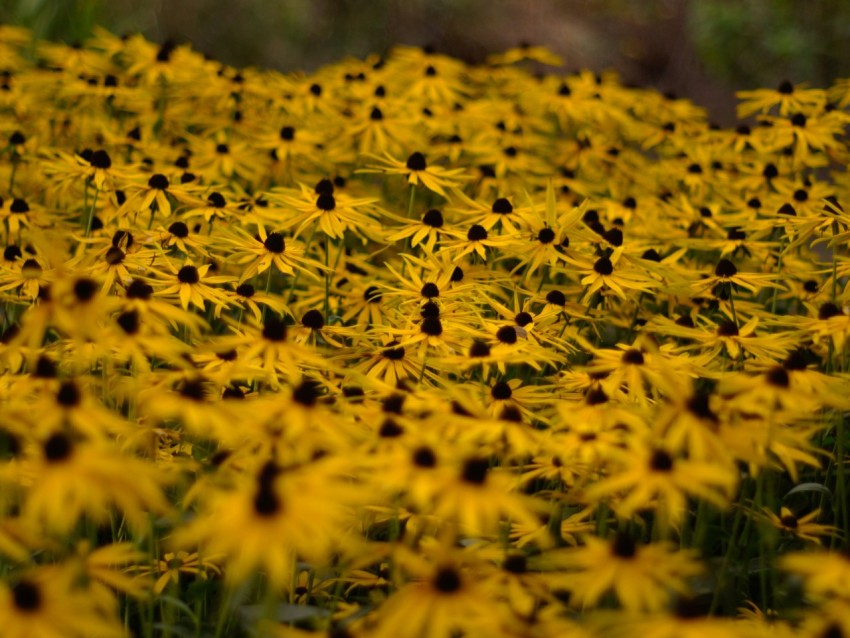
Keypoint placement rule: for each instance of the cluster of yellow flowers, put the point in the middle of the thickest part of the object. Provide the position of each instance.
(409, 347)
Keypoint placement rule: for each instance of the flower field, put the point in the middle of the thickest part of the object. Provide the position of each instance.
(412, 348)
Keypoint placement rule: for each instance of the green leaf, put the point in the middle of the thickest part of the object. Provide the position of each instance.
(283, 612)
(808, 487)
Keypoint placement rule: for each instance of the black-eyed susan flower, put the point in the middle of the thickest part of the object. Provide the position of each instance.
(82, 477)
(172, 565)
(47, 602)
(426, 231)
(268, 345)
(212, 206)
(92, 166)
(824, 573)
(641, 576)
(803, 527)
(477, 499)
(786, 98)
(389, 362)
(441, 596)
(653, 478)
(105, 569)
(331, 212)
(642, 370)
(416, 169)
(607, 275)
(268, 518)
(474, 241)
(258, 254)
(27, 276)
(154, 197)
(192, 285)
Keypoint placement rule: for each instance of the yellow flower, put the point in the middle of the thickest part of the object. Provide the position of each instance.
(440, 599)
(418, 171)
(105, 569)
(331, 212)
(477, 499)
(72, 478)
(825, 574)
(46, 602)
(173, 564)
(193, 286)
(786, 98)
(804, 527)
(525, 52)
(607, 275)
(257, 254)
(641, 576)
(155, 197)
(264, 521)
(653, 478)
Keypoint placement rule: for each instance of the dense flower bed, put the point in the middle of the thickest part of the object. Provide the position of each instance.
(408, 347)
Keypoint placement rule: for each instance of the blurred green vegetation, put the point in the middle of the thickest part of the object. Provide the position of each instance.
(745, 42)
(70, 21)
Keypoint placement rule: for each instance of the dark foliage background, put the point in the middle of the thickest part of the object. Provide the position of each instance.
(701, 49)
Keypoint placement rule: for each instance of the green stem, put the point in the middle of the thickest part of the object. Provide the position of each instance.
(153, 214)
(554, 525)
(298, 272)
(834, 263)
(840, 501)
(731, 550)
(422, 371)
(90, 215)
(268, 287)
(633, 322)
(12, 175)
(411, 201)
(763, 542)
(224, 613)
(327, 277)
(779, 271)
(601, 520)
(732, 306)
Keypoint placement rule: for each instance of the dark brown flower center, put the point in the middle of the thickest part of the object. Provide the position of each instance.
(188, 275)
(57, 448)
(624, 546)
(100, 159)
(546, 236)
(274, 329)
(661, 461)
(502, 206)
(85, 289)
(633, 356)
(158, 181)
(507, 334)
(479, 349)
(433, 218)
(26, 596)
(424, 457)
(501, 391)
(313, 319)
(416, 162)
(447, 580)
(476, 233)
(603, 266)
(274, 243)
(179, 230)
(475, 471)
(725, 268)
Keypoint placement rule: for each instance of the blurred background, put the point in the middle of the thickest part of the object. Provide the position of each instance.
(701, 49)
